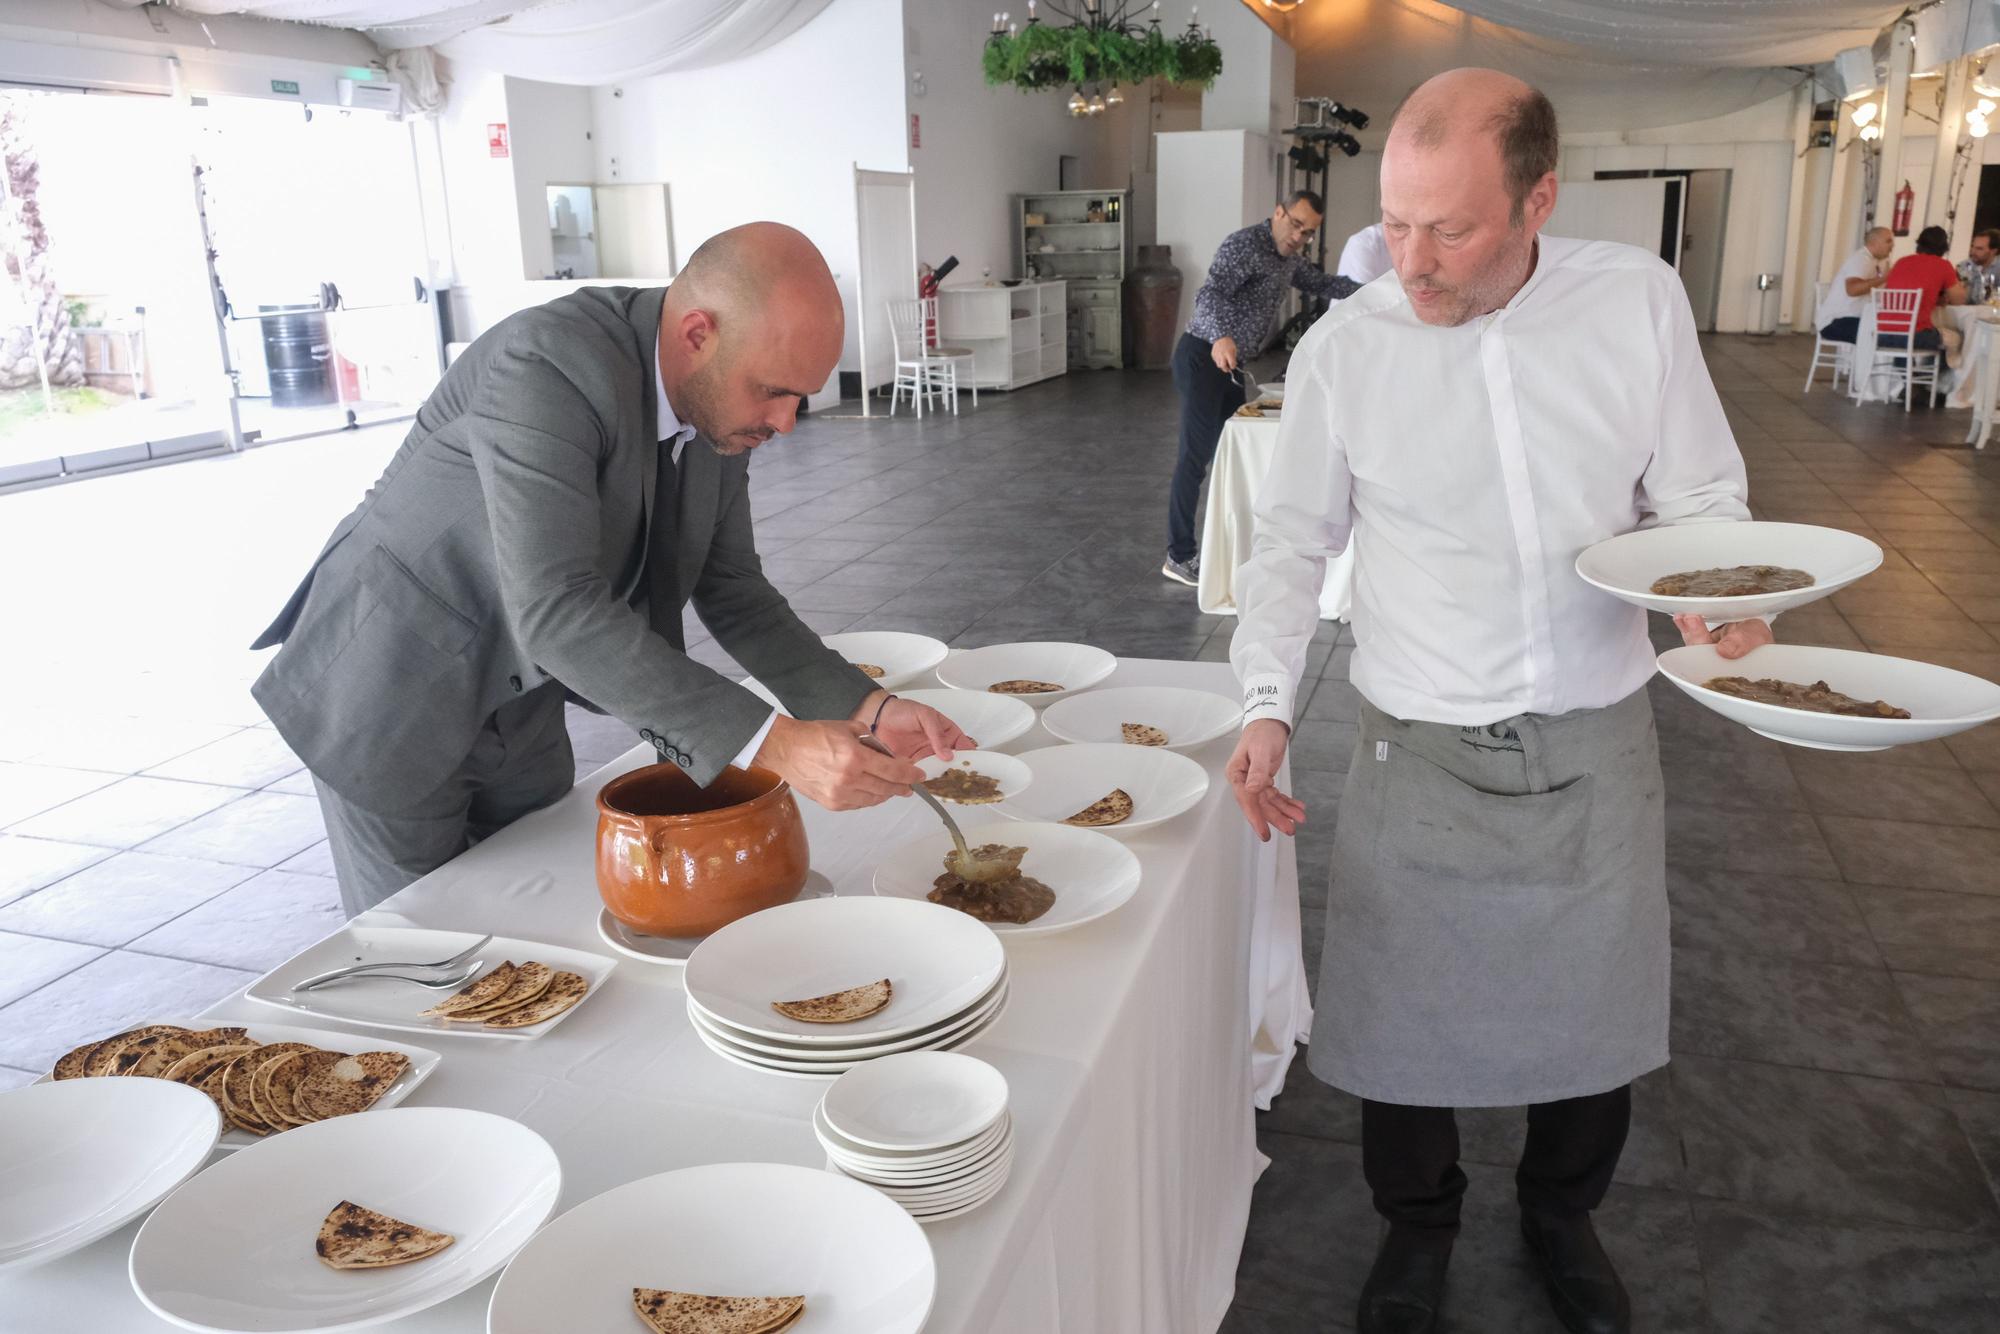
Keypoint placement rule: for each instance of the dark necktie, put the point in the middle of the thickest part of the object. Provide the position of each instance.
(663, 536)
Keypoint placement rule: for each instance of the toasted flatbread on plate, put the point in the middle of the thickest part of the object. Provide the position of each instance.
(480, 991)
(1141, 734)
(1022, 686)
(1114, 807)
(70, 1064)
(565, 990)
(356, 1238)
(197, 1066)
(351, 1084)
(237, 1104)
(871, 671)
(275, 1085)
(103, 1057)
(839, 1007)
(668, 1312)
(531, 982)
(150, 1057)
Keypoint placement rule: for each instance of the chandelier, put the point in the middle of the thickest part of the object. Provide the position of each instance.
(1099, 46)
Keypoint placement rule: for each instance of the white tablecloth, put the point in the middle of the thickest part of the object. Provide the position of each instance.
(1135, 1048)
(1242, 458)
(1978, 369)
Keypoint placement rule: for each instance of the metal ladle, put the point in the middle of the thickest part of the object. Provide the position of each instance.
(963, 864)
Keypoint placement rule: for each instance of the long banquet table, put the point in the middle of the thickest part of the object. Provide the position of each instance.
(1135, 1048)
(1228, 527)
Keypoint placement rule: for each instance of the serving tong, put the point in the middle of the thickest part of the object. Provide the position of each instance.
(455, 970)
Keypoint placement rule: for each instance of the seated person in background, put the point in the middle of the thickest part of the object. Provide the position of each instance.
(1981, 275)
(1839, 314)
(1931, 274)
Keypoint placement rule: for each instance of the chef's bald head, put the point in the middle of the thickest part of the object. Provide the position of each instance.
(1463, 106)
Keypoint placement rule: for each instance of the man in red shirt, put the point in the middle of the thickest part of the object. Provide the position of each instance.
(1931, 274)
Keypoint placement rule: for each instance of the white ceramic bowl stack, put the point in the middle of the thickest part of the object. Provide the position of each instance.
(947, 973)
(930, 1130)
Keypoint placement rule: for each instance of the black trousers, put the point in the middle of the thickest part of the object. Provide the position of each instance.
(1410, 1158)
(1207, 398)
(1843, 330)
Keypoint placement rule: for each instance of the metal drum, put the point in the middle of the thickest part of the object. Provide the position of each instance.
(298, 352)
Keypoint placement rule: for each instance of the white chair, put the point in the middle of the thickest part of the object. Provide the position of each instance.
(1892, 312)
(1836, 356)
(954, 355)
(920, 371)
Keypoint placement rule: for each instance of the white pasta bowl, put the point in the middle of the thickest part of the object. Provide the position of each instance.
(1072, 667)
(1626, 566)
(1941, 701)
(1190, 718)
(902, 657)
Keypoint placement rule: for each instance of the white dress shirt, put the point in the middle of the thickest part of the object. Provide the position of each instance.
(1838, 304)
(673, 428)
(1469, 466)
(1365, 257)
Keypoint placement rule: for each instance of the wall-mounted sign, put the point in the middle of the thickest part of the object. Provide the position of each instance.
(284, 86)
(496, 138)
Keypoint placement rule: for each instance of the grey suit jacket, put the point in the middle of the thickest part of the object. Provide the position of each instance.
(502, 548)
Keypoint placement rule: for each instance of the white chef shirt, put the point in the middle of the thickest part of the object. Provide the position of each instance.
(1365, 257)
(1838, 304)
(1469, 466)
(673, 428)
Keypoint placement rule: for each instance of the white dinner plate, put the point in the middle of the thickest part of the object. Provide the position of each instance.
(233, 1250)
(1092, 874)
(1006, 770)
(926, 1217)
(81, 1158)
(730, 1230)
(940, 1162)
(1190, 718)
(668, 951)
(902, 657)
(1941, 701)
(985, 1010)
(1074, 667)
(1066, 779)
(400, 1005)
(1626, 566)
(944, 1194)
(826, 1069)
(422, 1061)
(916, 1102)
(991, 720)
(938, 962)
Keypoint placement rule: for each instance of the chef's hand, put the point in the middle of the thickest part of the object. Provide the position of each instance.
(913, 730)
(828, 763)
(1731, 641)
(1253, 770)
(1224, 352)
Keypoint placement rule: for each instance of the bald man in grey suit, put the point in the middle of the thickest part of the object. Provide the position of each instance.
(577, 478)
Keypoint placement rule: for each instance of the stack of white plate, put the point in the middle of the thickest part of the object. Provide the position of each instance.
(928, 1129)
(947, 974)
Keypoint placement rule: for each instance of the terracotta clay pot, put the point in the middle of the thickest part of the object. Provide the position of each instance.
(674, 859)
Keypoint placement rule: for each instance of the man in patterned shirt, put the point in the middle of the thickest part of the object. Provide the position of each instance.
(1233, 314)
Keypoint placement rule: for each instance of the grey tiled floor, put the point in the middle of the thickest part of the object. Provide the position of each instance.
(1820, 1156)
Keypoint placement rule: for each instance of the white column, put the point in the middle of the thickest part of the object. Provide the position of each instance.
(1902, 52)
(1950, 134)
(1792, 271)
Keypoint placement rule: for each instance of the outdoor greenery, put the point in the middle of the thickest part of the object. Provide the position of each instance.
(23, 407)
(1044, 56)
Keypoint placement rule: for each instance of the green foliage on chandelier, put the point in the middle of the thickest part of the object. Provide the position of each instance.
(1047, 56)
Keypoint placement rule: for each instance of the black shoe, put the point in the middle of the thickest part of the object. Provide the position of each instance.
(1582, 1284)
(1405, 1288)
(1186, 571)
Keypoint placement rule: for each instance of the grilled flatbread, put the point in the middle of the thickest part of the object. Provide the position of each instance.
(197, 1066)
(480, 991)
(565, 990)
(1114, 807)
(839, 1007)
(531, 982)
(70, 1064)
(356, 1238)
(277, 1080)
(103, 1057)
(351, 1084)
(871, 671)
(668, 1312)
(237, 1104)
(1021, 686)
(149, 1057)
(1140, 734)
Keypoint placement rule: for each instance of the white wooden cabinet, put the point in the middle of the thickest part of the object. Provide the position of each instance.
(1018, 334)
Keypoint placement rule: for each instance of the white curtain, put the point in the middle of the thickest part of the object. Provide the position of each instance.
(1698, 32)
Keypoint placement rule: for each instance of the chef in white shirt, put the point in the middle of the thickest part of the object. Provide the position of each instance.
(1497, 921)
(1365, 257)
(1839, 315)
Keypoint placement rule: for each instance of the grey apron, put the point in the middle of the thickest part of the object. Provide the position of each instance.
(1497, 927)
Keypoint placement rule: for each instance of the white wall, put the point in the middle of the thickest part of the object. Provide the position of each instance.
(983, 144)
(484, 208)
(1259, 70)
(1212, 182)
(774, 136)
(551, 128)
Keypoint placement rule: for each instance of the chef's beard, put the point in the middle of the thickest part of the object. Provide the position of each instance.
(1488, 290)
(700, 395)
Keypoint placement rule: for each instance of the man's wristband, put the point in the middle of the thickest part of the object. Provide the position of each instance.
(876, 720)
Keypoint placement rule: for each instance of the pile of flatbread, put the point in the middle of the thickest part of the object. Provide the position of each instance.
(839, 1007)
(356, 1238)
(1114, 807)
(259, 1087)
(668, 1312)
(512, 996)
(1023, 686)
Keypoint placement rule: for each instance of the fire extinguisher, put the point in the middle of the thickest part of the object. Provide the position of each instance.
(1906, 201)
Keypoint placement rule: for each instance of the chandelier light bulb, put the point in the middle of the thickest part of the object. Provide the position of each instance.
(1985, 107)
(1871, 132)
(1865, 113)
(1096, 106)
(1114, 97)
(1077, 106)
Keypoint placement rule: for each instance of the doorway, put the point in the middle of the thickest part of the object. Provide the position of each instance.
(1693, 230)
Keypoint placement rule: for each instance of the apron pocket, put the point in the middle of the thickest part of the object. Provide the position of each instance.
(1438, 827)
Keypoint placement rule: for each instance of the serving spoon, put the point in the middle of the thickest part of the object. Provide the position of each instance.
(963, 864)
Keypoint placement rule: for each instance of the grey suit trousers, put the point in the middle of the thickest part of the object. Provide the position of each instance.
(519, 762)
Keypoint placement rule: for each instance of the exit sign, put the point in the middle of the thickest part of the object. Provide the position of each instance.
(284, 86)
